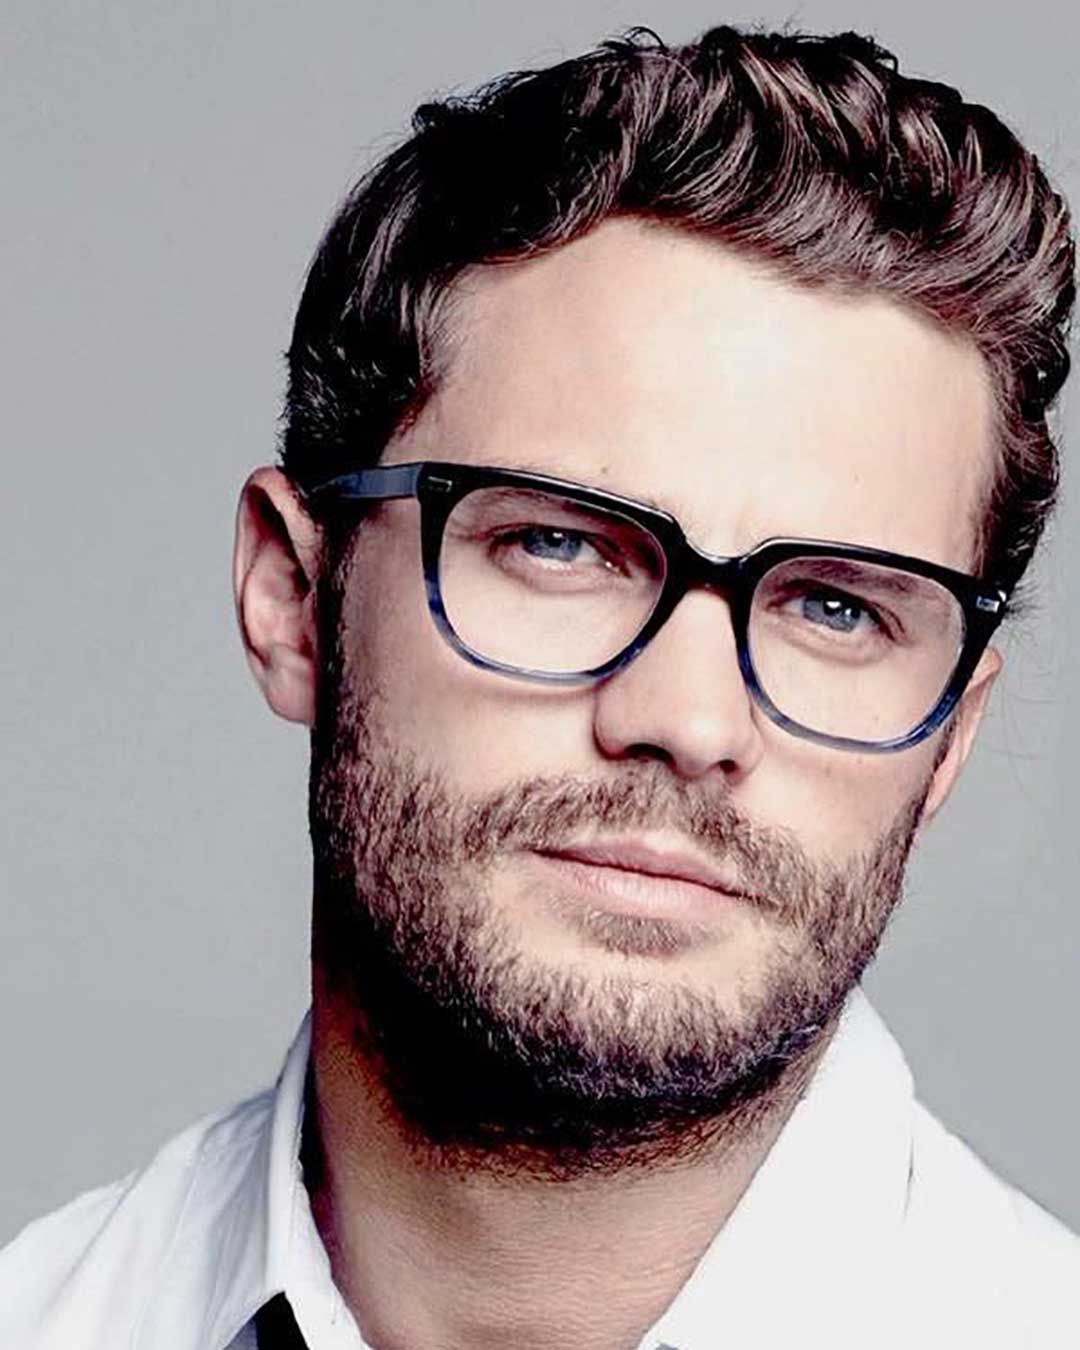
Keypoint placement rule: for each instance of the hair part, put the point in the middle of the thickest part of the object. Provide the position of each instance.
(811, 154)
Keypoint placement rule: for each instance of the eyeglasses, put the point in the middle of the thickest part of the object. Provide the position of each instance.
(543, 579)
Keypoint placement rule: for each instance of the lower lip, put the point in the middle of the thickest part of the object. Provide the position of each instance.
(628, 892)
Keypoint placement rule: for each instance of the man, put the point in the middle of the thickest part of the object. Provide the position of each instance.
(665, 441)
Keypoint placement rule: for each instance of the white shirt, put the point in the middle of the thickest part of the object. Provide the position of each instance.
(868, 1225)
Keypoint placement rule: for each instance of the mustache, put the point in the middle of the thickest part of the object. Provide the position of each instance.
(535, 811)
(452, 829)
(543, 813)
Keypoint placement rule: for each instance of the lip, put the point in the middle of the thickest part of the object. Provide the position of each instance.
(644, 858)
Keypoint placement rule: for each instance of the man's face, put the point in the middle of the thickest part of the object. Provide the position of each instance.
(658, 367)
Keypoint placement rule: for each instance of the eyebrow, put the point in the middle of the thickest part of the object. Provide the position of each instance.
(512, 494)
(889, 579)
(568, 476)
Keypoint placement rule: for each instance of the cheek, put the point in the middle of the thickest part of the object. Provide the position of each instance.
(834, 802)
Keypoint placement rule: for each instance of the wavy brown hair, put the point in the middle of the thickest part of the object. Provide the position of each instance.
(813, 153)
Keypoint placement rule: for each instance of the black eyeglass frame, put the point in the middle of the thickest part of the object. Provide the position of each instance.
(439, 486)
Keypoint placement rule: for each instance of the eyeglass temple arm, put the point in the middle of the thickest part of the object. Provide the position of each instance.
(381, 483)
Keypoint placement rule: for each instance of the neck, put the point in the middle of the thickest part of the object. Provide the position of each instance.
(430, 1253)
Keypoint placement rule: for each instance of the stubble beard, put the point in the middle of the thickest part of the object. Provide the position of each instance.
(490, 1060)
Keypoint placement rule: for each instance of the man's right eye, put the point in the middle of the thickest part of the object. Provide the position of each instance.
(542, 541)
(553, 548)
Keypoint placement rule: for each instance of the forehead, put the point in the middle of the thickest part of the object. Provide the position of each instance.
(662, 366)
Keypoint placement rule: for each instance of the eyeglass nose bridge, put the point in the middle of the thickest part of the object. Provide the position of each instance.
(693, 569)
(690, 569)
(733, 577)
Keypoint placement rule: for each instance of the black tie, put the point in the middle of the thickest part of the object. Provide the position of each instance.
(275, 1326)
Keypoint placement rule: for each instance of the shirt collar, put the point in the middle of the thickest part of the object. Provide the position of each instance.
(832, 1189)
(809, 1242)
(246, 1232)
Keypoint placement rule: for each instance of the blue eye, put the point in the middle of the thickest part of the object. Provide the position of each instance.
(841, 613)
(555, 545)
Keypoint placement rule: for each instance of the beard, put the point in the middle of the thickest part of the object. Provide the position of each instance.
(490, 1059)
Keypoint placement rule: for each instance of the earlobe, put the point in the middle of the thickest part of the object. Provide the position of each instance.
(275, 566)
(961, 735)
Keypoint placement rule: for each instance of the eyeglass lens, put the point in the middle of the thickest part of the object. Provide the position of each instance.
(547, 584)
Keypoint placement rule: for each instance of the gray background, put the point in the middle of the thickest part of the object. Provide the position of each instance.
(169, 168)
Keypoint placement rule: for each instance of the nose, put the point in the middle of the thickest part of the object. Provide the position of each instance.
(683, 699)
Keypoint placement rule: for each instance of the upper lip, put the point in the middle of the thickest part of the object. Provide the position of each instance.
(636, 855)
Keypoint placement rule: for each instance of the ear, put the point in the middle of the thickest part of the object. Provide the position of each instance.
(275, 564)
(964, 725)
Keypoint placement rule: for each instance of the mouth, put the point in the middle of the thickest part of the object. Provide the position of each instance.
(636, 876)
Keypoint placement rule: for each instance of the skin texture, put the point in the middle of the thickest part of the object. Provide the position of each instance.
(662, 367)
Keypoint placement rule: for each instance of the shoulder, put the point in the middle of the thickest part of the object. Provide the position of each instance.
(83, 1275)
(982, 1249)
